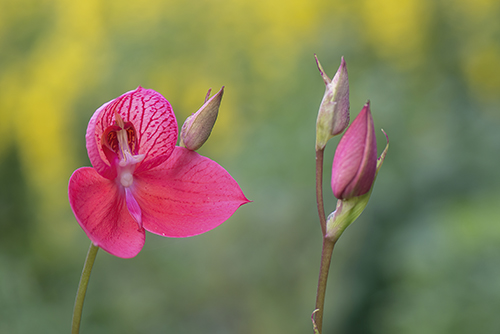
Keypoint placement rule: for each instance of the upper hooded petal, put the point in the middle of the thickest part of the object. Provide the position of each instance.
(153, 120)
(187, 195)
(100, 209)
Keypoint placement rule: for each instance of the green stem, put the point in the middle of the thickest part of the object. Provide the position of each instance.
(326, 252)
(319, 189)
(82, 288)
(326, 257)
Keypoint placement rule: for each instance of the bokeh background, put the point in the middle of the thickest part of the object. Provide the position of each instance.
(423, 258)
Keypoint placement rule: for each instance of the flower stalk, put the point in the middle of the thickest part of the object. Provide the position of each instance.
(82, 288)
(333, 118)
(319, 189)
(326, 258)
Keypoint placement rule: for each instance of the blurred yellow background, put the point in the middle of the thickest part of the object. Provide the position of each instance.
(423, 258)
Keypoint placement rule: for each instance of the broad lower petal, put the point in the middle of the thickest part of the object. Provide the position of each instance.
(187, 195)
(153, 119)
(101, 211)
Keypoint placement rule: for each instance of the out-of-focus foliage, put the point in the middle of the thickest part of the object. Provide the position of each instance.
(423, 258)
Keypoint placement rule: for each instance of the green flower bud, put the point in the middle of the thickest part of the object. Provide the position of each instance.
(197, 127)
(333, 115)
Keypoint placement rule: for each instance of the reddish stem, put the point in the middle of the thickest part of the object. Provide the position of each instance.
(319, 190)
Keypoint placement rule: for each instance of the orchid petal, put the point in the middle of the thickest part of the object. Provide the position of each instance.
(187, 195)
(153, 119)
(133, 207)
(101, 211)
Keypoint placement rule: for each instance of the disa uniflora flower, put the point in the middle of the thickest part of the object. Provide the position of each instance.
(140, 181)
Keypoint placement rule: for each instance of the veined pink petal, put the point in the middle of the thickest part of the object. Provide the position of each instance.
(187, 195)
(101, 211)
(153, 119)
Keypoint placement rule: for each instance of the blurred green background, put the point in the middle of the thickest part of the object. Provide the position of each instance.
(423, 258)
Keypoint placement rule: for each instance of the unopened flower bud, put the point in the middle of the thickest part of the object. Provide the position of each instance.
(197, 127)
(355, 160)
(355, 168)
(333, 115)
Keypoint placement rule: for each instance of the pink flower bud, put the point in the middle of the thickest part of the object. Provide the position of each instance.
(333, 115)
(355, 160)
(197, 127)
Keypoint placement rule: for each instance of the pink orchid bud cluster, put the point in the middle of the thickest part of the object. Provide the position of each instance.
(354, 169)
(355, 164)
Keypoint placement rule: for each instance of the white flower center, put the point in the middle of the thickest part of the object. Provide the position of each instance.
(126, 165)
(126, 179)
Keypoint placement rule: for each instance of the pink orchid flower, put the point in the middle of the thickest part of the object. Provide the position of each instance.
(141, 181)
